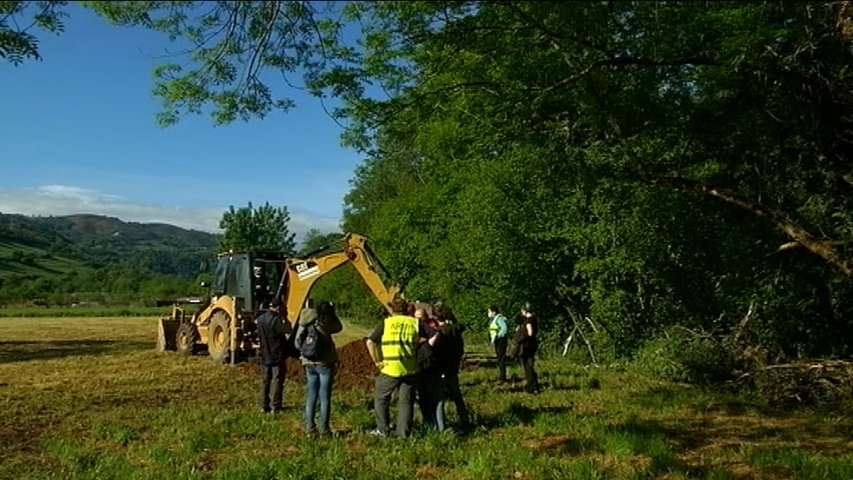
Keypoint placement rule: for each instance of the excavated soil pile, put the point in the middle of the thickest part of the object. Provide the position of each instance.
(355, 370)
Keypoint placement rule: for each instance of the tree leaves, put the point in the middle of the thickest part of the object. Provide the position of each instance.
(584, 156)
(17, 44)
(540, 130)
(257, 229)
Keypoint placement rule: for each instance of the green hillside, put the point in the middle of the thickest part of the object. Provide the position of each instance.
(93, 228)
(19, 258)
(97, 259)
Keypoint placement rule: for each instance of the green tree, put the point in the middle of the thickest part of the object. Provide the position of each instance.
(19, 19)
(230, 45)
(642, 164)
(259, 229)
(558, 68)
(625, 161)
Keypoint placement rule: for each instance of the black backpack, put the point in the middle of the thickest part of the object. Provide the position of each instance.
(313, 342)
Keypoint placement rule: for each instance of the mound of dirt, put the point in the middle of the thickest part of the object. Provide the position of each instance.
(355, 370)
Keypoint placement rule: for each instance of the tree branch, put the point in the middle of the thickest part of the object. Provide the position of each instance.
(629, 61)
(822, 248)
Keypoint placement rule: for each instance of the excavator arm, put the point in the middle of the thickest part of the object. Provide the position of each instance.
(301, 274)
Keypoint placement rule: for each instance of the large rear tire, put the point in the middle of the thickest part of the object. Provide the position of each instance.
(186, 339)
(219, 337)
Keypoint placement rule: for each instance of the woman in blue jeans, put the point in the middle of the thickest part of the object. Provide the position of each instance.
(319, 370)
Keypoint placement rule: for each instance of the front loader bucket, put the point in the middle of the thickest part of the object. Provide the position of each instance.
(166, 330)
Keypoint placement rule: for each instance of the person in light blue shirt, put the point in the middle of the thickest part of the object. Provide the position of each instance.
(498, 337)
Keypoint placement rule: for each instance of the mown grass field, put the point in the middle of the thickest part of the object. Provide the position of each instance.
(90, 398)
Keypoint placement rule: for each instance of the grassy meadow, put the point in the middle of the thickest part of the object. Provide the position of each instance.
(90, 398)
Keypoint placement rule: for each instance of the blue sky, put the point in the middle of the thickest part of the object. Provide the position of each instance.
(78, 135)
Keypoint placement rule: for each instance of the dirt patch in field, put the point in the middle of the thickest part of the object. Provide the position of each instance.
(473, 361)
(703, 442)
(355, 370)
(715, 431)
(430, 471)
(556, 445)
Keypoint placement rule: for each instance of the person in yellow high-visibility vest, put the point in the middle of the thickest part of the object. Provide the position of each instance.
(393, 347)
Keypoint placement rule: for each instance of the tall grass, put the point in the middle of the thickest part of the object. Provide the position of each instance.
(89, 398)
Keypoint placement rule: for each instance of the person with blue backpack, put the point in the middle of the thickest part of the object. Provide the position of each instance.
(319, 359)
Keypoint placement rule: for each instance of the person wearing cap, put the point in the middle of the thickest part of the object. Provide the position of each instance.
(319, 373)
(528, 344)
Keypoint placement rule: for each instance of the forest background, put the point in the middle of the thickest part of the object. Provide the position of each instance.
(639, 171)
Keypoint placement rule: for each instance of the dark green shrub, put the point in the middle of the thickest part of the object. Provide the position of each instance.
(685, 356)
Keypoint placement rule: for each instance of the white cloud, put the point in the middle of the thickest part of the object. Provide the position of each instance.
(302, 221)
(59, 200)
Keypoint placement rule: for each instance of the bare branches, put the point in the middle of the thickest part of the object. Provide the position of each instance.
(251, 72)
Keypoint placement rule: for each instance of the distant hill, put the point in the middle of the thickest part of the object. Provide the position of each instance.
(94, 228)
(41, 245)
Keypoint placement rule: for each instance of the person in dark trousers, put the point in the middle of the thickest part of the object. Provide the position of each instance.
(527, 345)
(498, 336)
(273, 334)
(449, 350)
(393, 347)
(429, 375)
(319, 372)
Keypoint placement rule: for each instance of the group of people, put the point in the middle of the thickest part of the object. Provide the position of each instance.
(524, 341)
(418, 354)
(417, 350)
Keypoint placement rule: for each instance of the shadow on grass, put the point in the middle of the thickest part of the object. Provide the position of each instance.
(518, 414)
(24, 351)
(709, 427)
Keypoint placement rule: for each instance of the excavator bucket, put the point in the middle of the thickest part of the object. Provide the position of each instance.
(166, 330)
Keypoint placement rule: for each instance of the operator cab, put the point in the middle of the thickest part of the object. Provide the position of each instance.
(252, 278)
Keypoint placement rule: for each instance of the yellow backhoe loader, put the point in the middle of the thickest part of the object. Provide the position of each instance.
(246, 283)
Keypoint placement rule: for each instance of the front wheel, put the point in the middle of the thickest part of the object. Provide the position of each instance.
(219, 337)
(186, 339)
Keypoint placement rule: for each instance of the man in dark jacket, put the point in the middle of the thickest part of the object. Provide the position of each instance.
(273, 333)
